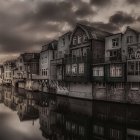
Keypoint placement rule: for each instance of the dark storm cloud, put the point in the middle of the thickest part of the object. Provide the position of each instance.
(135, 2)
(84, 10)
(121, 18)
(61, 12)
(22, 28)
(100, 3)
(27, 24)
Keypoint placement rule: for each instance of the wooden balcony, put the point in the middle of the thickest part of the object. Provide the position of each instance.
(57, 61)
(114, 59)
(69, 59)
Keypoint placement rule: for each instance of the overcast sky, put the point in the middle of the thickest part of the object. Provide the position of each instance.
(25, 25)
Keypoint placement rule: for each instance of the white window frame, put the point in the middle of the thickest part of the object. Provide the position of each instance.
(68, 69)
(129, 39)
(80, 39)
(81, 68)
(116, 71)
(74, 68)
(115, 42)
(98, 71)
(74, 41)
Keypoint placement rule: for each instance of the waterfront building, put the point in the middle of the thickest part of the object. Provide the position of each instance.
(57, 65)
(120, 71)
(131, 45)
(27, 65)
(47, 54)
(8, 71)
(86, 63)
(114, 68)
(86, 48)
(26, 108)
(1, 74)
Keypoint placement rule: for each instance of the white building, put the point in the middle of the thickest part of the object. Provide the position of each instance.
(47, 54)
(8, 71)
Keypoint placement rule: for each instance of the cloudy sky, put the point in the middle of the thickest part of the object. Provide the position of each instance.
(25, 25)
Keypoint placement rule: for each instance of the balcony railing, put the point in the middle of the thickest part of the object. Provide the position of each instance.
(114, 58)
(74, 59)
(57, 61)
(98, 60)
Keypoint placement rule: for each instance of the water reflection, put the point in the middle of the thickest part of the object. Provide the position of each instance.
(38, 116)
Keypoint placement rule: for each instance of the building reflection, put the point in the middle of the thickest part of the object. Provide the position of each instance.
(71, 119)
(26, 109)
(63, 118)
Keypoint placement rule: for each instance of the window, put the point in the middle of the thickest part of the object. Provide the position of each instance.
(76, 52)
(99, 130)
(21, 60)
(44, 72)
(133, 137)
(133, 67)
(81, 68)
(115, 71)
(129, 39)
(98, 71)
(74, 68)
(115, 42)
(68, 69)
(116, 134)
(85, 38)
(81, 130)
(63, 41)
(79, 39)
(10, 74)
(134, 86)
(74, 40)
(85, 51)
(20, 67)
(59, 70)
(68, 125)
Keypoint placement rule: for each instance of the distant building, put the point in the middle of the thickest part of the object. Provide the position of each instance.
(47, 54)
(1, 74)
(57, 65)
(8, 71)
(27, 65)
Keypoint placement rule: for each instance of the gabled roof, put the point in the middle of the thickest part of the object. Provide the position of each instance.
(50, 46)
(94, 33)
(28, 56)
(131, 29)
(67, 33)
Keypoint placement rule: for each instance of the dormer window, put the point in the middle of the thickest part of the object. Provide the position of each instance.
(115, 42)
(63, 41)
(79, 39)
(85, 38)
(74, 40)
(129, 39)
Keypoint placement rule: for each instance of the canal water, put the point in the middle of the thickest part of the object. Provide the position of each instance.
(39, 116)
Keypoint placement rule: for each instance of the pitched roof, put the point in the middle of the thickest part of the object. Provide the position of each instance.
(50, 46)
(129, 28)
(95, 33)
(28, 56)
